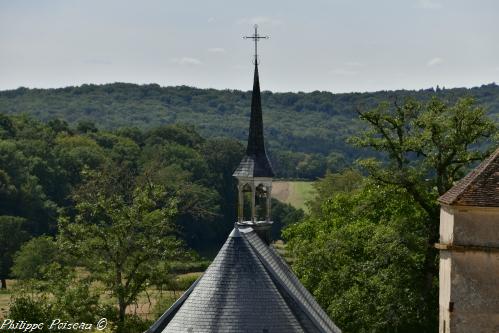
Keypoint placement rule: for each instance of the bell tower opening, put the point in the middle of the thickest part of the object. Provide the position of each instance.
(255, 205)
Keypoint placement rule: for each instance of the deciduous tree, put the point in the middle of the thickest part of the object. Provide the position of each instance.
(426, 149)
(367, 253)
(120, 233)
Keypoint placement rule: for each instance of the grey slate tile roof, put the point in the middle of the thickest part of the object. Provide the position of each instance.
(478, 188)
(248, 288)
(254, 166)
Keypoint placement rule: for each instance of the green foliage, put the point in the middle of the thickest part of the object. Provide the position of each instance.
(40, 165)
(362, 256)
(183, 282)
(11, 237)
(123, 199)
(305, 132)
(61, 293)
(367, 250)
(163, 303)
(427, 146)
(134, 324)
(128, 194)
(346, 181)
(31, 309)
(34, 255)
(185, 266)
(121, 232)
(28, 175)
(282, 216)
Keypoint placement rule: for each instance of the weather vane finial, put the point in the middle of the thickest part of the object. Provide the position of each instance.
(256, 38)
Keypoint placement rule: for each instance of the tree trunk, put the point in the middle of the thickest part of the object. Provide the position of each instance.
(4, 283)
(121, 318)
(121, 301)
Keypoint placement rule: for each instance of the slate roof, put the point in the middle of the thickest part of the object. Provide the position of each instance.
(256, 162)
(478, 188)
(248, 288)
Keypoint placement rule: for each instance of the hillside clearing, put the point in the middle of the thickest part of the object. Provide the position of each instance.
(295, 193)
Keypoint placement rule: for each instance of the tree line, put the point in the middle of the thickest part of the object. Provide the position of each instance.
(306, 132)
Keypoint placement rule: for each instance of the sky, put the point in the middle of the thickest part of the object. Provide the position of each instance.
(326, 45)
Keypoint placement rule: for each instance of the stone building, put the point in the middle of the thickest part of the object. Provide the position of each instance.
(469, 252)
(248, 287)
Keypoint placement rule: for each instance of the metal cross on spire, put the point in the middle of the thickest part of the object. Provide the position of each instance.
(256, 38)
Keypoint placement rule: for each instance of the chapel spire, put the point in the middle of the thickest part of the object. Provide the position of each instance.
(256, 143)
(248, 287)
(256, 163)
(254, 173)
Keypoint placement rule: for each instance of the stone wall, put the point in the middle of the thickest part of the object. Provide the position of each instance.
(469, 270)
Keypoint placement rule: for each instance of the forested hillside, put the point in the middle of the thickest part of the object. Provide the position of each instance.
(305, 132)
(42, 164)
(127, 206)
(136, 201)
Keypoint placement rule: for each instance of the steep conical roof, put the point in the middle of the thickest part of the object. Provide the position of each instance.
(247, 288)
(255, 163)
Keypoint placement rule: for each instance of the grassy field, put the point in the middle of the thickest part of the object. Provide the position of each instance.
(5, 298)
(296, 193)
(147, 305)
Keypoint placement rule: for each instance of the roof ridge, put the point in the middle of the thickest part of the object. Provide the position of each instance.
(320, 320)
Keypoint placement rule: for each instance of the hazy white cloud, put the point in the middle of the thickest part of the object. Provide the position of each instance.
(211, 19)
(354, 64)
(429, 4)
(186, 61)
(434, 62)
(216, 50)
(344, 72)
(349, 68)
(260, 20)
(97, 61)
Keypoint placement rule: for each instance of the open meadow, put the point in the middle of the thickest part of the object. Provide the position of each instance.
(150, 304)
(295, 193)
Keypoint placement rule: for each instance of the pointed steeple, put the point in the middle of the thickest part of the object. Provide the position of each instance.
(254, 173)
(256, 143)
(255, 149)
(255, 163)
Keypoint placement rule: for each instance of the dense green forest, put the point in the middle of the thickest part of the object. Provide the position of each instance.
(111, 215)
(141, 205)
(306, 132)
(41, 164)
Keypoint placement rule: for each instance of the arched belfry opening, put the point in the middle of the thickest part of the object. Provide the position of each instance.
(254, 202)
(263, 196)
